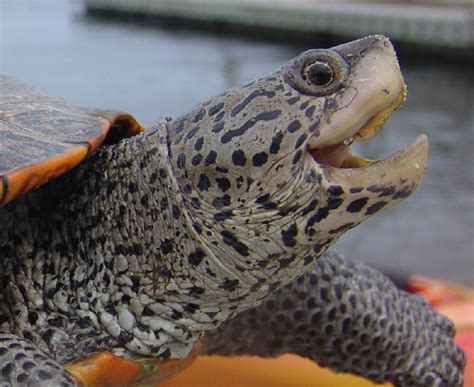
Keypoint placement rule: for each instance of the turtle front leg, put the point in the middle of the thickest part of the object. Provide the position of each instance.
(350, 318)
(22, 364)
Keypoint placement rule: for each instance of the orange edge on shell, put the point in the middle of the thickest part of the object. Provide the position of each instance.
(24, 179)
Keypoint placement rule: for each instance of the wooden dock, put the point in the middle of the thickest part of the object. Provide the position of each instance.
(441, 25)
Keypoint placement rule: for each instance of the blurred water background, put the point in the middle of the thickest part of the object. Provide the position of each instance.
(154, 73)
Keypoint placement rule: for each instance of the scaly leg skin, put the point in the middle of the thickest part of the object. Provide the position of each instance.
(350, 318)
(22, 364)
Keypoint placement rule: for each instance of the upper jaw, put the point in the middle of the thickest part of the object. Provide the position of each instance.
(375, 90)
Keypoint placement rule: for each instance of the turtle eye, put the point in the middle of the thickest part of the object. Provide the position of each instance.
(318, 73)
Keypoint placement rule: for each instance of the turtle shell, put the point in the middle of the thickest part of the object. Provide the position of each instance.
(42, 137)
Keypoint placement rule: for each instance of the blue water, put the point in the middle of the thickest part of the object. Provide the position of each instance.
(154, 73)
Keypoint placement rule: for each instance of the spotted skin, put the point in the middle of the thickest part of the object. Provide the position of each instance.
(350, 318)
(159, 238)
(22, 364)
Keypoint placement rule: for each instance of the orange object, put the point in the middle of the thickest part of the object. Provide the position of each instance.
(439, 292)
(248, 371)
(104, 369)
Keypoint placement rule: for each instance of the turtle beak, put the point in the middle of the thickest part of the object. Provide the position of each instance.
(404, 168)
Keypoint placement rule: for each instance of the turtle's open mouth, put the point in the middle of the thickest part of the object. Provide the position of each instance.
(340, 155)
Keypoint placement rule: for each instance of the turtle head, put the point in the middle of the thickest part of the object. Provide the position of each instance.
(266, 169)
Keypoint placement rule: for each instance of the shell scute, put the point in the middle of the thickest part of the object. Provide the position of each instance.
(42, 137)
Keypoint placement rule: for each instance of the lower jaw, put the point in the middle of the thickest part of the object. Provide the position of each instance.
(407, 166)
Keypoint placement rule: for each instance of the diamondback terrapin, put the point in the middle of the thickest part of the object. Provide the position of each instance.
(141, 245)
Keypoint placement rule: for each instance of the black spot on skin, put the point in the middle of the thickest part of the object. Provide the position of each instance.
(310, 207)
(342, 228)
(196, 290)
(204, 182)
(164, 203)
(195, 258)
(181, 161)
(357, 205)
(404, 192)
(265, 116)
(259, 159)
(220, 216)
(195, 203)
(356, 189)
(231, 240)
(178, 124)
(334, 203)
(32, 317)
(323, 292)
(222, 201)
(45, 375)
(332, 314)
(219, 117)
(163, 173)
(218, 127)
(199, 115)
(322, 213)
(375, 208)
(286, 261)
(288, 235)
(270, 205)
(314, 128)
(222, 170)
(304, 105)
(257, 93)
(187, 189)
(335, 190)
(199, 143)
(382, 190)
(196, 159)
(7, 370)
(297, 156)
(164, 273)
(215, 109)
(176, 315)
(210, 158)
(191, 308)
(301, 140)
(223, 183)
(288, 210)
(176, 212)
(294, 126)
(192, 132)
(238, 158)
(276, 142)
(292, 101)
(230, 285)
(310, 111)
(262, 199)
(166, 246)
(197, 228)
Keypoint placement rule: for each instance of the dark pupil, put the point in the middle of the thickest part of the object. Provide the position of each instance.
(319, 74)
